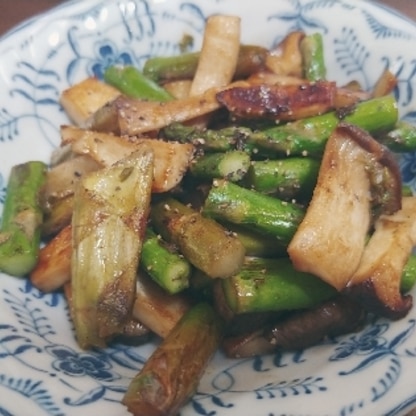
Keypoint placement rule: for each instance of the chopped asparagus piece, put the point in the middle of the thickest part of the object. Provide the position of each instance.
(288, 178)
(273, 285)
(131, 82)
(257, 244)
(312, 49)
(402, 138)
(205, 243)
(22, 218)
(262, 213)
(408, 279)
(109, 220)
(309, 136)
(228, 138)
(305, 137)
(171, 375)
(232, 165)
(168, 269)
(168, 68)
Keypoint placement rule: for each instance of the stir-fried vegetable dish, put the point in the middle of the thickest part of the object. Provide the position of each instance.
(232, 198)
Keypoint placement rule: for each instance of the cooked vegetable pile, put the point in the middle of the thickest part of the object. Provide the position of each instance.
(231, 198)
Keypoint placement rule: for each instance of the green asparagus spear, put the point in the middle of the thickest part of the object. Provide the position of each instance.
(262, 213)
(164, 213)
(171, 375)
(250, 60)
(406, 190)
(402, 138)
(168, 269)
(228, 138)
(313, 60)
(309, 136)
(131, 82)
(231, 165)
(204, 242)
(288, 178)
(22, 219)
(162, 68)
(272, 285)
(409, 275)
(306, 137)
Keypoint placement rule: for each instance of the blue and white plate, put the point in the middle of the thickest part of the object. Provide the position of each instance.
(42, 370)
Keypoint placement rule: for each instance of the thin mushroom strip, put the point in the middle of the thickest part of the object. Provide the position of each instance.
(328, 242)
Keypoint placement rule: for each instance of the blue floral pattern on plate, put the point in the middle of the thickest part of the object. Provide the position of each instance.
(43, 371)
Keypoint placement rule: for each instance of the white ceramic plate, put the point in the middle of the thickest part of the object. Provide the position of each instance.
(42, 371)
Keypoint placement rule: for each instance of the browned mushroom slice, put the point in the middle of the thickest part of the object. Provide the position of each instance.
(129, 116)
(376, 283)
(172, 159)
(286, 57)
(247, 345)
(345, 97)
(61, 179)
(298, 330)
(156, 308)
(270, 78)
(331, 318)
(279, 102)
(331, 238)
(385, 84)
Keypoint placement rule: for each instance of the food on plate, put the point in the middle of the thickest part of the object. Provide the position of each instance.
(378, 278)
(245, 203)
(298, 330)
(20, 230)
(303, 137)
(111, 207)
(170, 375)
(357, 174)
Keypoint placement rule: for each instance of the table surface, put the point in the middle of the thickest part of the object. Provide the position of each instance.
(14, 12)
